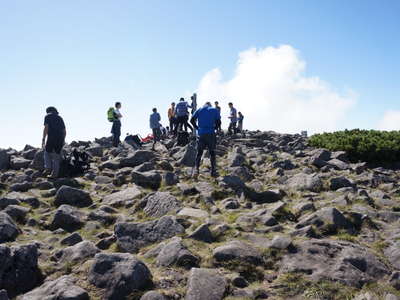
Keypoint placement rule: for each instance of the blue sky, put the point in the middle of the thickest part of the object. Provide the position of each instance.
(81, 56)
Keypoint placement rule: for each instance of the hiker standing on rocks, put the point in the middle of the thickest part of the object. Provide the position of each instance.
(54, 131)
(219, 123)
(115, 118)
(233, 119)
(194, 103)
(207, 117)
(172, 118)
(240, 121)
(182, 116)
(155, 126)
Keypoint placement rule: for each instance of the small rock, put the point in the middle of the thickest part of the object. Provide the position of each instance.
(202, 233)
(72, 239)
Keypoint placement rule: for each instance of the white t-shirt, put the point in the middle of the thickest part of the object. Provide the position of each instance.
(118, 114)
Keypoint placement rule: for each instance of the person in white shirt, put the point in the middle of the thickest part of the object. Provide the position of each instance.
(116, 127)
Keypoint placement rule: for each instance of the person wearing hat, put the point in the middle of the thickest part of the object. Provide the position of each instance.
(53, 141)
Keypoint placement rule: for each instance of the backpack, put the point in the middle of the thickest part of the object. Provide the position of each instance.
(134, 140)
(182, 109)
(182, 138)
(74, 164)
(111, 114)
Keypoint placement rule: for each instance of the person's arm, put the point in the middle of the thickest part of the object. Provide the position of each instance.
(45, 132)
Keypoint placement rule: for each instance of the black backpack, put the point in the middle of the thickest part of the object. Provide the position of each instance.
(183, 138)
(75, 163)
(135, 139)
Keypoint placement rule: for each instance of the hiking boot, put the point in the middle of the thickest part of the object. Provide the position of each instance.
(46, 172)
(214, 174)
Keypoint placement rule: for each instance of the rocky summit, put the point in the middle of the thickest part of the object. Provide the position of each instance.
(282, 220)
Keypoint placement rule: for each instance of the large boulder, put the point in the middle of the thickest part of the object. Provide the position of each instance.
(188, 156)
(8, 230)
(393, 254)
(328, 217)
(150, 179)
(15, 198)
(133, 236)
(63, 288)
(119, 274)
(123, 197)
(17, 213)
(95, 150)
(137, 158)
(4, 160)
(72, 196)
(18, 163)
(305, 182)
(9, 199)
(79, 252)
(175, 253)
(345, 262)
(159, 204)
(236, 159)
(38, 161)
(19, 272)
(68, 218)
(237, 251)
(205, 284)
(153, 295)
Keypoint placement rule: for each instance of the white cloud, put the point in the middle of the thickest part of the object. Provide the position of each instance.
(390, 120)
(271, 90)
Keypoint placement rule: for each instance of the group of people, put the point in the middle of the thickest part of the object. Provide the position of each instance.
(178, 116)
(205, 120)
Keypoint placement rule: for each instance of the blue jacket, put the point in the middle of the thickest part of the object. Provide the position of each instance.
(155, 120)
(206, 118)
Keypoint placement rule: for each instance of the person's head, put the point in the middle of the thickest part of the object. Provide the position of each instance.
(207, 103)
(118, 105)
(182, 99)
(154, 109)
(51, 110)
(230, 104)
(173, 104)
(239, 113)
(216, 103)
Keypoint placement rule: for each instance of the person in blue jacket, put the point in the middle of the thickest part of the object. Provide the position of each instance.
(204, 120)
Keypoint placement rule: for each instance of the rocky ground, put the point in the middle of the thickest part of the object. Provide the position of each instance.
(282, 221)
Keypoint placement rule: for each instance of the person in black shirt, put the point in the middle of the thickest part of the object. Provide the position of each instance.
(218, 123)
(54, 131)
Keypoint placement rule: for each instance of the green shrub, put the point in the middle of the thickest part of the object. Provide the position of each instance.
(362, 145)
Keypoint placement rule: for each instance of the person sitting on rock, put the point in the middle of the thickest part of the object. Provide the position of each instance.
(155, 126)
(207, 117)
(54, 131)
